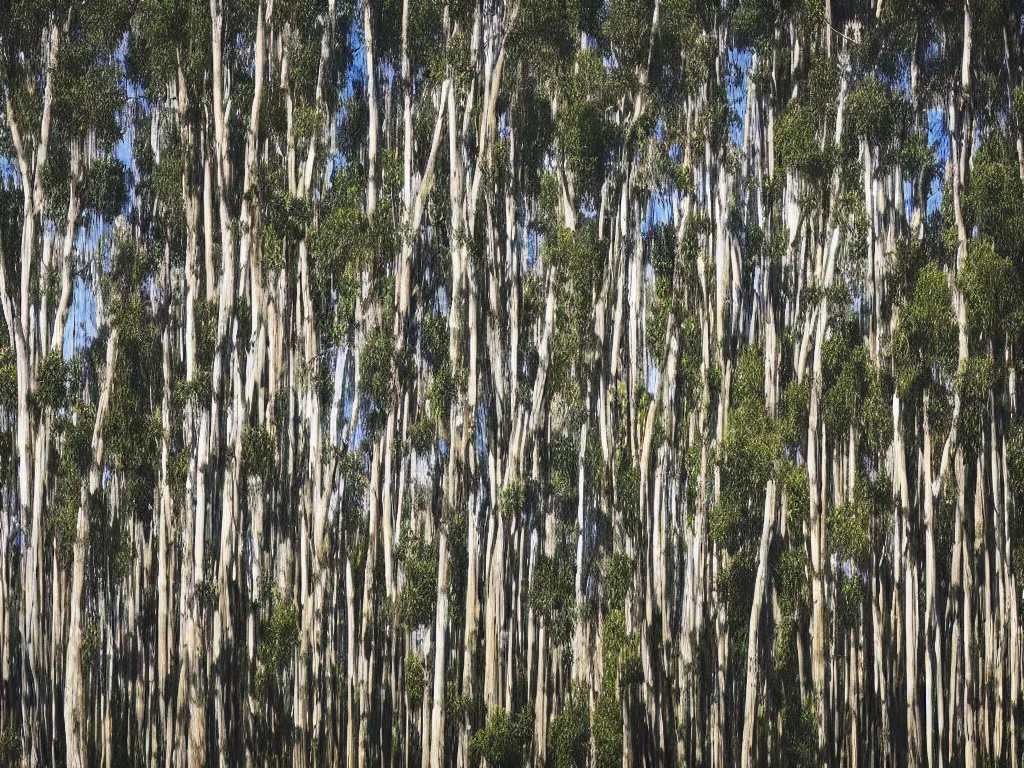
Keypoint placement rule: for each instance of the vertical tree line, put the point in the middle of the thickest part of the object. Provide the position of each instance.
(511, 382)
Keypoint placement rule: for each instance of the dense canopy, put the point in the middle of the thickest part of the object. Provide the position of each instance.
(511, 382)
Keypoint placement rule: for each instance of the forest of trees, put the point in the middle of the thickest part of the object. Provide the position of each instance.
(511, 382)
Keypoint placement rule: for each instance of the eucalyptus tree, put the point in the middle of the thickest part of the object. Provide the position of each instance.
(506, 382)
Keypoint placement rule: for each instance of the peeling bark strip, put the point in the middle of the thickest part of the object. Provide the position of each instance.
(511, 382)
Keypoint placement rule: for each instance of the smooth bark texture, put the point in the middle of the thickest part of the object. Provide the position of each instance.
(508, 382)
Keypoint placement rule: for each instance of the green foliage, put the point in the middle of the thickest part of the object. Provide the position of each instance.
(784, 650)
(286, 215)
(75, 460)
(569, 737)
(608, 729)
(513, 500)
(553, 595)
(134, 428)
(796, 403)
(122, 554)
(548, 220)
(415, 604)
(8, 379)
(456, 704)
(849, 381)
(91, 648)
(849, 532)
(578, 261)
(850, 599)
(748, 389)
(994, 198)
(991, 290)
(1018, 565)
(276, 642)
(791, 573)
(663, 250)
(663, 263)
(415, 679)
(258, 452)
(754, 21)
(206, 333)
(405, 365)
(89, 92)
(875, 112)
(454, 519)
(434, 336)
(736, 590)
(563, 453)
(627, 29)
(307, 124)
(713, 121)
(10, 748)
(195, 392)
(163, 29)
(243, 325)
(910, 258)
(919, 158)
(617, 579)
(343, 248)
(547, 30)
(926, 336)
(584, 134)
(447, 385)
(796, 484)
(621, 655)
(876, 493)
(974, 382)
(106, 190)
(749, 455)
(797, 143)
(281, 634)
(876, 410)
(504, 742)
(1015, 460)
(423, 435)
(376, 375)
(823, 79)
(600, 102)
(51, 390)
(158, 184)
(631, 671)
(627, 490)
(800, 735)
